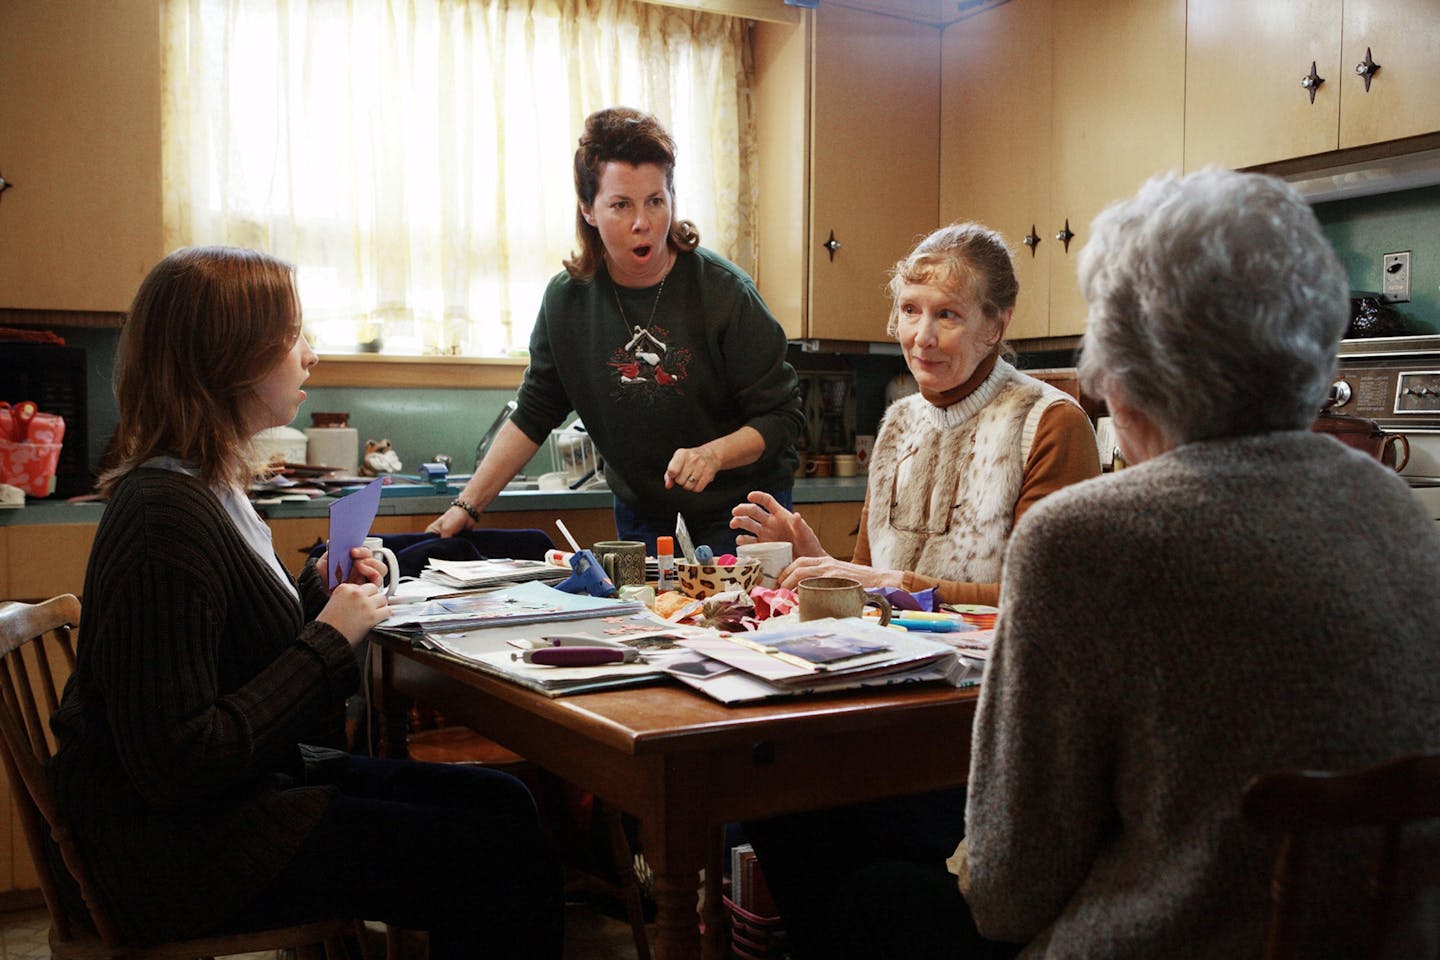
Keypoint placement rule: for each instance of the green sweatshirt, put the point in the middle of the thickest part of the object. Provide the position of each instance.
(711, 361)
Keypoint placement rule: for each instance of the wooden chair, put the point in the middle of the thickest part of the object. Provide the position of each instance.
(1296, 802)
(32, 638)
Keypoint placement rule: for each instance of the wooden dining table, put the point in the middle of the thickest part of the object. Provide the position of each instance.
(685, 765)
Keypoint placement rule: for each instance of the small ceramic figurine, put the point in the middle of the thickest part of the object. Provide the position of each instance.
(379, 458)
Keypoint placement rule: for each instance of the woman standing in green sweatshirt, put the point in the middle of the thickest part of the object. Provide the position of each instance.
(665, 350)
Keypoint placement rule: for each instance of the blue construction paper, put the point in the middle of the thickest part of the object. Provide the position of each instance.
(350, 519)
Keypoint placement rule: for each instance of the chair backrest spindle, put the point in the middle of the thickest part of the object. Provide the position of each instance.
(1296, 803)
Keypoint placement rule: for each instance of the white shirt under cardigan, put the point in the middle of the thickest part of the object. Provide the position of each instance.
(242, 513)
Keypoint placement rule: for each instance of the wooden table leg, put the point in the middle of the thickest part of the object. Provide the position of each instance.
(391, 705)
(677, 932)
(712, 915)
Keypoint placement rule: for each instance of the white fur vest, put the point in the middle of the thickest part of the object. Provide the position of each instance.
(943, 482)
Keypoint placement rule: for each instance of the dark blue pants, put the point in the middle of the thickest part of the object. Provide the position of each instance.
(712, 529)
(452, 849)
(869, 880)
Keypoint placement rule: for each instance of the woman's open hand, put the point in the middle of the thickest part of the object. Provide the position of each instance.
(761, 519)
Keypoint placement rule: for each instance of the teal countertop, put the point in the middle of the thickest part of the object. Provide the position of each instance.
(420, 502)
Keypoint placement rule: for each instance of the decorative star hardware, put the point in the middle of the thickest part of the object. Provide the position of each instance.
(1031, 240)
(1065, 235)
(1367, 68)
(1312, 81)
(832, 245)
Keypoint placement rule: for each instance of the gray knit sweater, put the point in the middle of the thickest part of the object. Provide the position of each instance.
(1168, 633)
(198, 676)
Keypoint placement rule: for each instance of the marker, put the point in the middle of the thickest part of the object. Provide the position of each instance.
(578, 656)
(926, 615)
(933, 626)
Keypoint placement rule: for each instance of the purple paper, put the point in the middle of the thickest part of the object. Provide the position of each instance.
(350, 519)
(923, 601)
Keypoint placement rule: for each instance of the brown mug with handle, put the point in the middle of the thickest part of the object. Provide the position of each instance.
(822, 597)
(1391, 449)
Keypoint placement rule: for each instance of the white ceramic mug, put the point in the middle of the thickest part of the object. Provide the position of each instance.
(773, 557)
(385, 555)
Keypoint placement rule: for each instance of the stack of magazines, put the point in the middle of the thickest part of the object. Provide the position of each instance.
(818, 656)
(526, 603)
(472, 574)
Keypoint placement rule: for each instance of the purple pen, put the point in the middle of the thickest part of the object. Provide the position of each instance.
(579, 656)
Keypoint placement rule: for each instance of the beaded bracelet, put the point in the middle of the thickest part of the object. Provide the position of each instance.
(474, 514)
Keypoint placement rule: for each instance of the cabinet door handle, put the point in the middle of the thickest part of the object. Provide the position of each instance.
(1031, 240)
(1367, 68)
(1065, 235)
(832, 245)
(1311, 81)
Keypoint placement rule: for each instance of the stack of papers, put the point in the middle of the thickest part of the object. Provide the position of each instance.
(470, 574)
(520, 605)
(818, 656)
(498, 650)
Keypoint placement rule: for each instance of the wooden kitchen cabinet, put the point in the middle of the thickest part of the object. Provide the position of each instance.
(861, 90)
(1117, 102)
(1403, 36)
(837, 524)
(80, 132)
(995, 147)
(1051, 110)
(1245, 104)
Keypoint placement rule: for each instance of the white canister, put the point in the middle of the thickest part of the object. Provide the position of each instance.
(280, 445)
(774, 557)
(335, 447)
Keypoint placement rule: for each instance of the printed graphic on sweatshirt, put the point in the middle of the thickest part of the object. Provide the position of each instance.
(646, 364)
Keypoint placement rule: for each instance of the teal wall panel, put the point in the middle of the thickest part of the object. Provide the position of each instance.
(1364, 229)
(419, 422)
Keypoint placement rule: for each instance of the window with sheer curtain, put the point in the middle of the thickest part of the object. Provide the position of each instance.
(413, 157)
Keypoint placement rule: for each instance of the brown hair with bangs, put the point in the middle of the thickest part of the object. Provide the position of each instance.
(622, 135)
(964, 258)
(207, 325)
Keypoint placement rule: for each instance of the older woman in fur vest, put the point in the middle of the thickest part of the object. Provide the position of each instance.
(956, 465)
(955, 468)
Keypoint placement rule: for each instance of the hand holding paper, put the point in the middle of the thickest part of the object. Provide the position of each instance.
(350, 519)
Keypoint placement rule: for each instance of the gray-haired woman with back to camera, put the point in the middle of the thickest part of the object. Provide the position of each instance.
(1249, 596)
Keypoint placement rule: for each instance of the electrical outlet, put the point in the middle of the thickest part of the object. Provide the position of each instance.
(1395, 277)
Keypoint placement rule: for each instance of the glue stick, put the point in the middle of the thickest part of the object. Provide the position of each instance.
(665, 558)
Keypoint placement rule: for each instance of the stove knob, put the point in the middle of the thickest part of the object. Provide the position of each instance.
(1339, 393)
